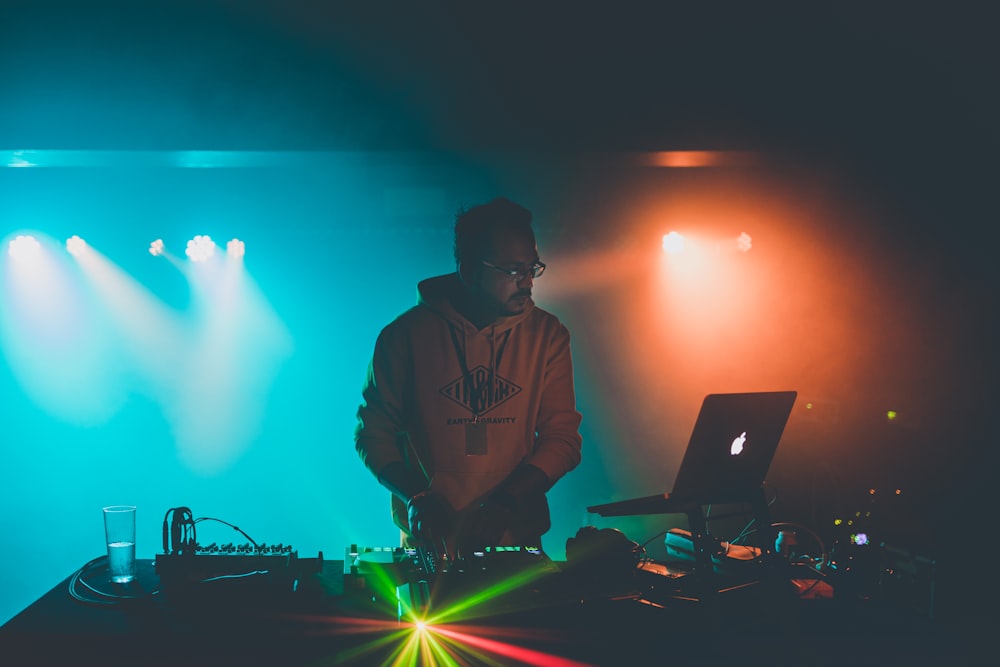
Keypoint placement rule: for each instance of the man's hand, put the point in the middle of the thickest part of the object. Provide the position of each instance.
(486, 526)
(430, 517)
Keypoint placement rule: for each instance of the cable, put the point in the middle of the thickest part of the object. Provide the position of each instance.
(180, 534)
(178, 531)
(75, 579)
(825, 558)
(99, 597)
(235, 576)
(236, 528)
(746, 531)
(642, 548)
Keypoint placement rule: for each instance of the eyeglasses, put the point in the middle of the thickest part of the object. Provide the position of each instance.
(517, 275)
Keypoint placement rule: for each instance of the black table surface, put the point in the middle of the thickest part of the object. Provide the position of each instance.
(322, 617)
(326, 617)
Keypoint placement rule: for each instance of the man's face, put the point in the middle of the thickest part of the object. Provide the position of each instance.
(497, 290)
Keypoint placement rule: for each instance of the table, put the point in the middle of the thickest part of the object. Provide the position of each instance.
(325, 617)
(330, 618)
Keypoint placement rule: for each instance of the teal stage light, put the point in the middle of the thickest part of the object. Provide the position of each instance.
(236, 248)
(75, 245)
(24, 248)
(200, 249)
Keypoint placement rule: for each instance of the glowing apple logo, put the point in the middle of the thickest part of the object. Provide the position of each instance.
(737, 446)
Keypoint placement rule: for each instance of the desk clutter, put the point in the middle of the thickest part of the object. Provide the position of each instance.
(605, 575)
(390, 581)
(608, 603)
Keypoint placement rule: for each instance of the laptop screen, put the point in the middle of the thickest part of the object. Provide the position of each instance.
(732, 445)
(727, 458)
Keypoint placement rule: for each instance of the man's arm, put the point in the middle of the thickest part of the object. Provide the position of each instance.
(401, 480)
(380, 415)
(558, 441)
(378, 435)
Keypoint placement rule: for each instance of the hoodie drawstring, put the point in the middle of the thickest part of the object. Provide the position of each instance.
(479, 396)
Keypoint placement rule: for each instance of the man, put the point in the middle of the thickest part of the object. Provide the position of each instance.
(469, 413)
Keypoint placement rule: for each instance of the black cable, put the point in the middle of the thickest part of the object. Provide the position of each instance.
(825, 557)
(178, 531)
(236, 528)
(642, 548)
(241, 575)
(99, 597)
(746, 530)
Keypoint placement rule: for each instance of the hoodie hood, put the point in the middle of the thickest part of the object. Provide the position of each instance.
(440, 293)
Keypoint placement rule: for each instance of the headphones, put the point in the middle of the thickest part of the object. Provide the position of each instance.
(178, 531)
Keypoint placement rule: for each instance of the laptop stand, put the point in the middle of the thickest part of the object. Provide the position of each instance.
(702, 544)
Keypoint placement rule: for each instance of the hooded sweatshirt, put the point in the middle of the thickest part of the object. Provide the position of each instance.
(435, 378)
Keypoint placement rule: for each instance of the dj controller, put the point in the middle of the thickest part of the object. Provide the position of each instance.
(420, 583)
(411, 582)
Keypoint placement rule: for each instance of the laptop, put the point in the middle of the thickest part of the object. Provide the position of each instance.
(727, 458)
